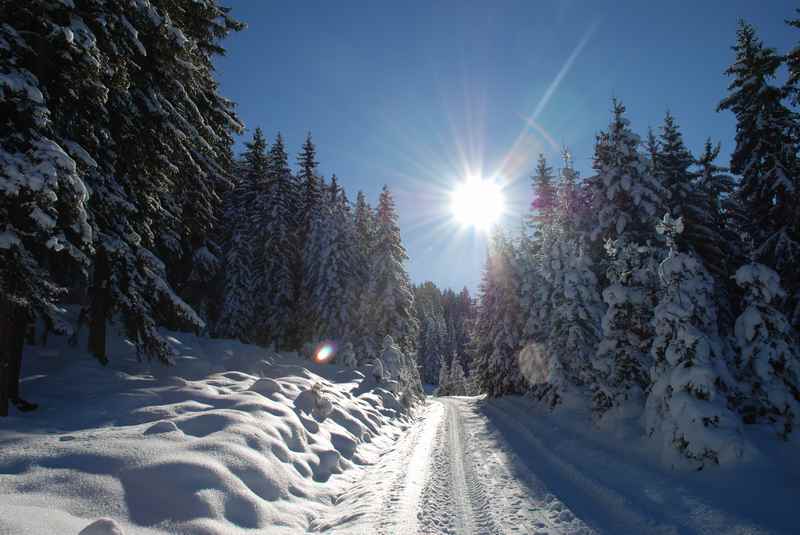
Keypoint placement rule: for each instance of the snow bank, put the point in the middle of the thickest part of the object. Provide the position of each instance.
(232, 438)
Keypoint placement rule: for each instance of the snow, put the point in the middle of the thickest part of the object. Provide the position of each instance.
(231, 438)
(8, 239)
(475, 466)
(22, 82)
(235, 438)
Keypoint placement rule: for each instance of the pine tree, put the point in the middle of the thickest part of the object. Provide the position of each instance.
(766, 157)
(310, 184)
(718, 188)
(43, 195)
(544, 193)
(687, 200)
(457, 380)
(686, 407)
(329, 270)
(444, 380)
(237, 316)
(498, 328)
(574, 327)
(274, 223)
(623, 354)
(793, 63)
(392, 303)
(726, 219)
(364, 220)
(768, 362)
(627, 198)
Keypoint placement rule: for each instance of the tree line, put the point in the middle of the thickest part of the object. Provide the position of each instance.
(663, 283)
(120, 192)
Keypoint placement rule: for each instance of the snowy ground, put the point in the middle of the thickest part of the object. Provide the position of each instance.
(501, 467)
(199, 448)
(194, 448)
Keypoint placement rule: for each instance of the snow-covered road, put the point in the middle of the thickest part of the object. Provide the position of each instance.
(470, 466)
(448, 475)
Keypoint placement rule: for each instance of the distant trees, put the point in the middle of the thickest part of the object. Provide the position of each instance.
(302, 265)
(445, 320)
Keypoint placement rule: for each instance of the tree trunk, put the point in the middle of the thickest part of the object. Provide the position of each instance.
(5, 355)
(99, 306)
(12, 340)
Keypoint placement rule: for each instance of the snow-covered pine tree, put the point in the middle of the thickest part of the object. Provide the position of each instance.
(769, 360)
(498, 327)
(457, 380)
(430, 341)
(717, 188)
(310, 184)
(170, 133)
(766, 159)
(391, 299)
(237, 316)
(627, 199)
(364, 218)
(309, 191)
(574, 327)
(44, 231)
(623, 358)
(274, 223)
(329, 269)
(544, 195)
(792, 60)
(189, 92)
(688, 200)
(444, 380)
(687, 406)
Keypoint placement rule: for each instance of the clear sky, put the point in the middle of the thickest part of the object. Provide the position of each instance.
(417, 94)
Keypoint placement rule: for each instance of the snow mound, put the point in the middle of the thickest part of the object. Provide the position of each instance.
(194, 448)
(103, 526)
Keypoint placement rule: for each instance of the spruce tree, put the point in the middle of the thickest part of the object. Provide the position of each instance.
(44, 232)
(687, 200)
(766, 158)
(274, 223)
(622, 358)
(768, 361)
(574, 327)
(627, 199)
(329, 270)
(392, 303)
(687, 406)
(498, 327)
(544, 193)
(237, 315)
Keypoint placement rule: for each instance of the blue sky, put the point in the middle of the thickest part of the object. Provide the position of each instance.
(416, 94)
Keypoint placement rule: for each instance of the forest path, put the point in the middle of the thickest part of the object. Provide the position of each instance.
(475, 466)
(452, 473)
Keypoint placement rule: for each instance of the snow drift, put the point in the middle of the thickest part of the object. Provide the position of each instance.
(232, 438)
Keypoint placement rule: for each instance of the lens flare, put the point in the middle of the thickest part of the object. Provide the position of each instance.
(324, 353)
(477, 202)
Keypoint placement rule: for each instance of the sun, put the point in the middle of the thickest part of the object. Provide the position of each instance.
(477, 202)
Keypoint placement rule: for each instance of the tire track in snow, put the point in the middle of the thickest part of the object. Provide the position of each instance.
(615, 504)
(455, 498)
(399, 509)
(517, 501)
